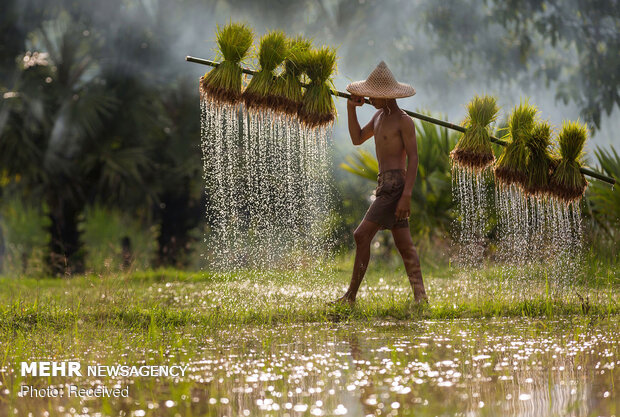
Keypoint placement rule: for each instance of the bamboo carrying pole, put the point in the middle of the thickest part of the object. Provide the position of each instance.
(584, 170)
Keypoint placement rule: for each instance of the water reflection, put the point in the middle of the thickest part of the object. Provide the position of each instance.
(470, 367)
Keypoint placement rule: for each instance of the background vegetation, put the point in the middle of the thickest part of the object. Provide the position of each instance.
(99, 119)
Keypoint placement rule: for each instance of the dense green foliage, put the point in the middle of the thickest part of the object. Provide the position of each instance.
(82, 125)
(605, 200)
(99, 113)
(571, 45)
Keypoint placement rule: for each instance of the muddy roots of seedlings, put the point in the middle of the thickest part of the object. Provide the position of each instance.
(259, 94)
(474, 149)
(567, 183)
(218, 94)
(511, 166)
(472, 159)
(223, 83)
(317, 107)
(572, 186)
(288, 94)
(540, 163)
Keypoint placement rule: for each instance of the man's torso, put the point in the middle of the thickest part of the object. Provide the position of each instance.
(389, 145)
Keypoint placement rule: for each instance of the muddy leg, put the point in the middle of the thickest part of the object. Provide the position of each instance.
(363, 236)
(404, 244)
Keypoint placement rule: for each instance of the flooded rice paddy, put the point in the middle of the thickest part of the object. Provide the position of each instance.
(468, 367)
(271, 346)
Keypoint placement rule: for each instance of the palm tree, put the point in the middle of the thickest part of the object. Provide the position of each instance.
(180, 207)
(57, 140)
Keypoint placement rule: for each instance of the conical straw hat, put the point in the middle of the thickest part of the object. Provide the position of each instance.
(381, 84)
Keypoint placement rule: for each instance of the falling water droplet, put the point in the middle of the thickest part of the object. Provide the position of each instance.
(267, 180)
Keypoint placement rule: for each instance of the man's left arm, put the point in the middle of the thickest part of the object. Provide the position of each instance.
(407, 129)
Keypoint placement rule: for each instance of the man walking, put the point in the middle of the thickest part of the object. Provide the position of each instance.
(397, 154)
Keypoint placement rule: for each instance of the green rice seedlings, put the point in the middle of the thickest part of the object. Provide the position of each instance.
(223, 83)
(540, 162)
(259, 92)
(511, 166)
(567, 182)
(317, 107)
(287, 89)
(473, 149)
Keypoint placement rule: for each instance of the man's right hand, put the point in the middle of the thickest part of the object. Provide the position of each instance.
(356, 101)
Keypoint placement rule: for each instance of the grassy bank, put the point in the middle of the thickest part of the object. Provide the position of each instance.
(170, 298)
(259, 343)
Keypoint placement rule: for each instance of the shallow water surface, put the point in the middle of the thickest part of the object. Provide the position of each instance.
(463, 367)
(468, 367)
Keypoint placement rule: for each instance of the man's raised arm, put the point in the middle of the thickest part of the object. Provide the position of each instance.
(358, 135)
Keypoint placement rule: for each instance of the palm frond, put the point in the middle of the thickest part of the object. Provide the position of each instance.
(605, 199)
(363, 164)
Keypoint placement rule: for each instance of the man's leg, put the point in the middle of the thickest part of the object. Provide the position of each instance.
(404, 244)
(363, 236)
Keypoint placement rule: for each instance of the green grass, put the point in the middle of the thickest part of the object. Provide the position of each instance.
(248, 337)
(172, 298)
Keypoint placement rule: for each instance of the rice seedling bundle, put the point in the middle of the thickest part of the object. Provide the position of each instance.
(317, 107)
(541, 161)
(287, 86)
(260, 91)
(473, 149)
(511, 166)
(567, 182)
(223, 83)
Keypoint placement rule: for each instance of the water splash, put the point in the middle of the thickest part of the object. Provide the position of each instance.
(514, 228)
(540, 232)
(470, 191)
(268, 182)
(536, 236)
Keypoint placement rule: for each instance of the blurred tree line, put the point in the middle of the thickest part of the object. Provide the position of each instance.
(94, 117)
(91, 115)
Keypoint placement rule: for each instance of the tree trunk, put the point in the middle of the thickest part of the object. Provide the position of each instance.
(2, 250)
(127, 252)
(67, 251)
(179, 213)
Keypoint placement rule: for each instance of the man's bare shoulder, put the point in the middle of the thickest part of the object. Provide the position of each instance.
(406, 122)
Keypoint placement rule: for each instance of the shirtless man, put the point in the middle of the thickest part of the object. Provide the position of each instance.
(397, 154)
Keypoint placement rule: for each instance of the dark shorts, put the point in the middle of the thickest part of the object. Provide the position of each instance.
(389, 190)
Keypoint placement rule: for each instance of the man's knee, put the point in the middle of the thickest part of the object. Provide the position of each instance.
(407, 251)
(361, 237)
